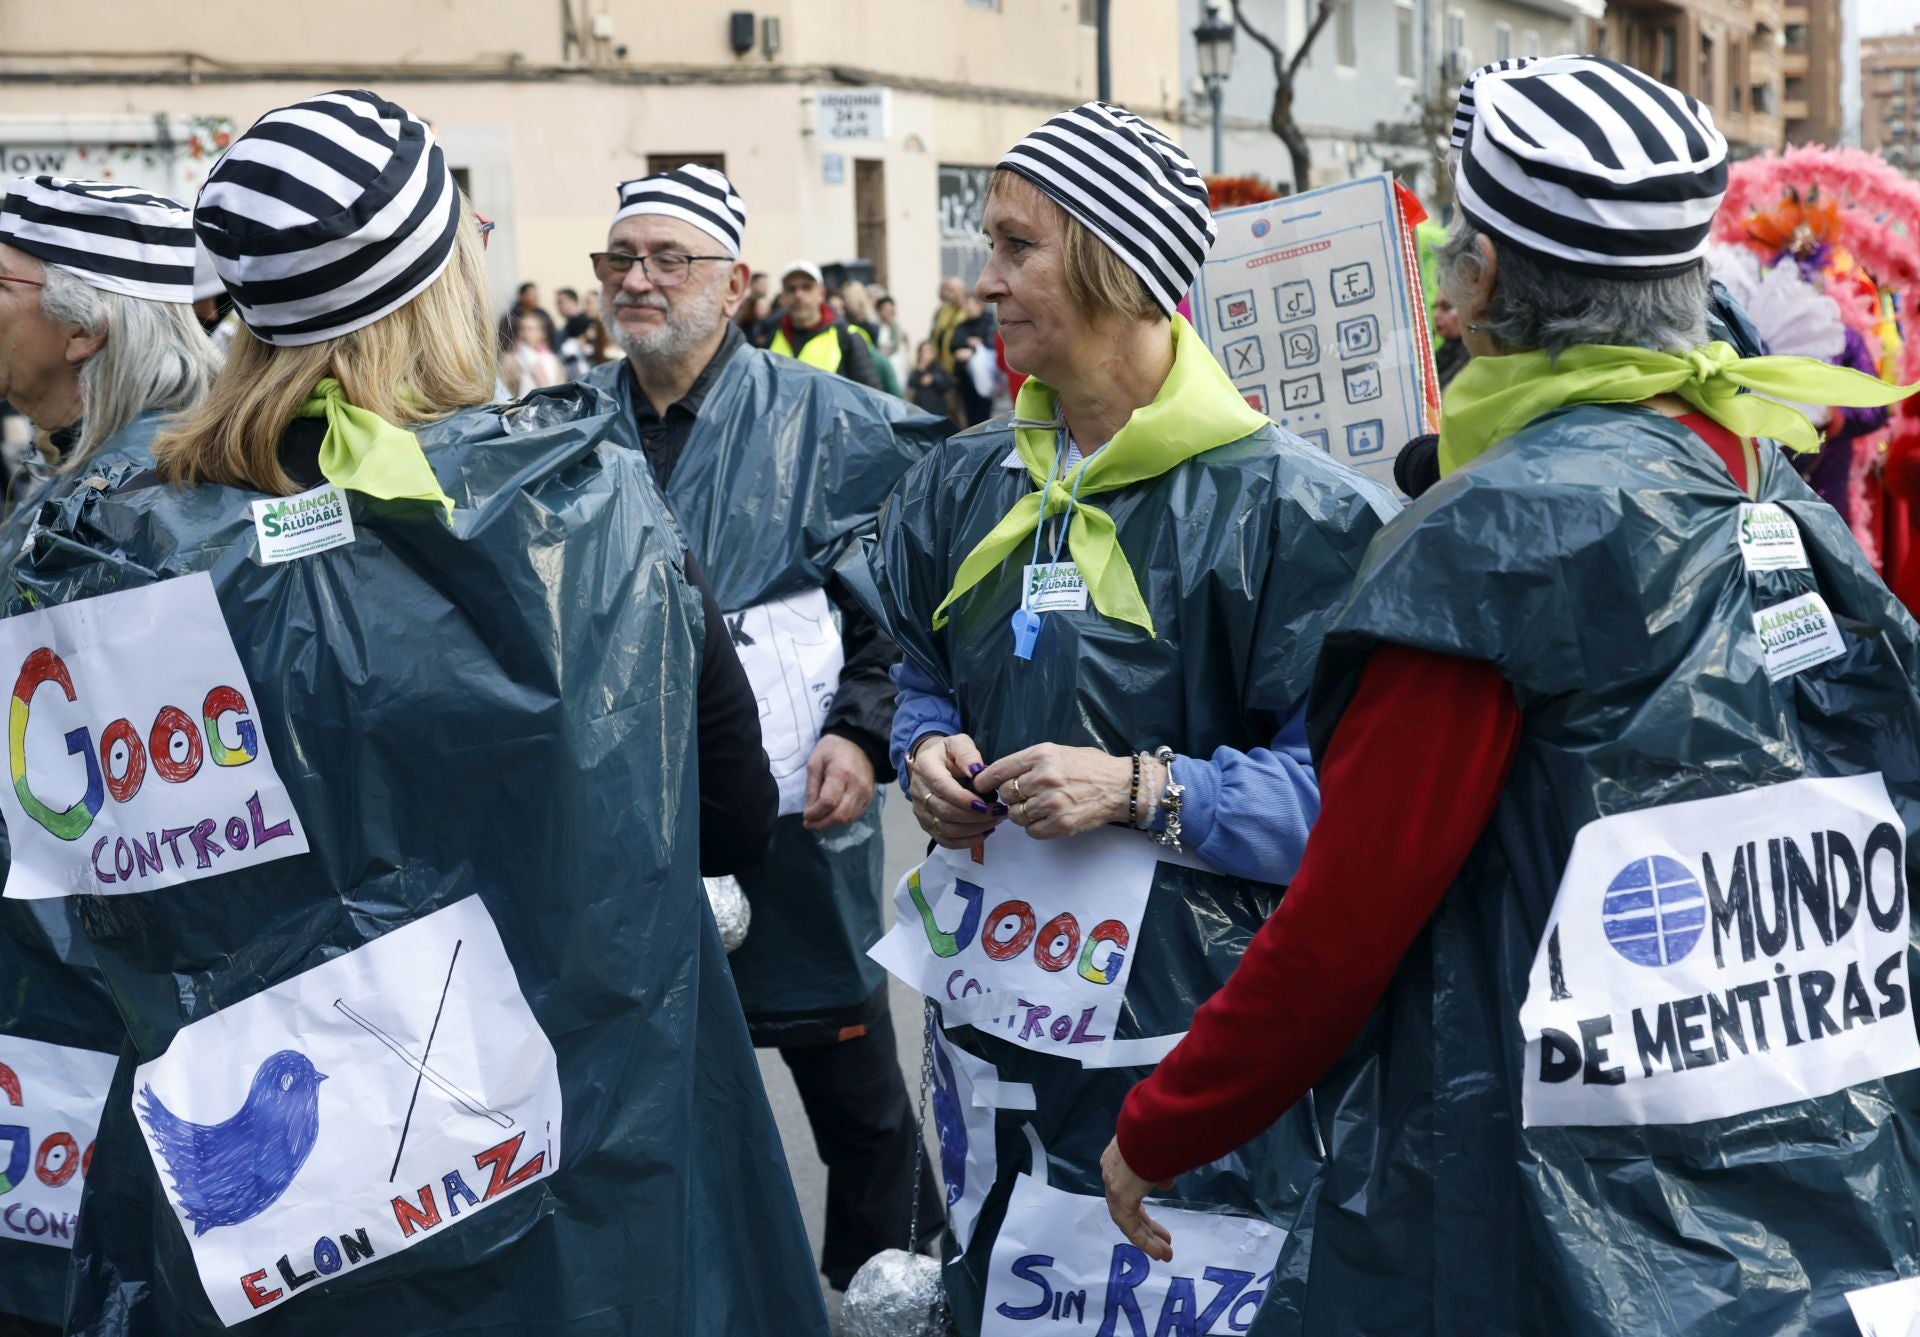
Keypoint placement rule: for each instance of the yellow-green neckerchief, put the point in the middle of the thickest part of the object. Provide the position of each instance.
(1494, 397)
(365, 453)
(1196, 410)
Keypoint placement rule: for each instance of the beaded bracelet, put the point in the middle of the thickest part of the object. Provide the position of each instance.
(1133, 794)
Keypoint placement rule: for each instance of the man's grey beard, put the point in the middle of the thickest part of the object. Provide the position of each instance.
(682, 331)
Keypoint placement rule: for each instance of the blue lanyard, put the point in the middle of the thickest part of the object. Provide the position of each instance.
(1026, 622)
(1066, 516)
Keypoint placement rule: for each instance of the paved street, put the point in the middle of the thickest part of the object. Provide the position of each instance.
(905, 846)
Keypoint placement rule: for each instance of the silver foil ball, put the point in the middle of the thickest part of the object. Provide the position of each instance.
(895, 1294)
(730, 910)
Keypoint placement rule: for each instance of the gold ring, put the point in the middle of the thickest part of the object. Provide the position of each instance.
(1022, 806)
(1014, 786)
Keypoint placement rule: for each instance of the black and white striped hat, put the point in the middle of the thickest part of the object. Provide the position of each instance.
(1129, 185)
(1593, 167)
(328, 215)
(694, 194)
(1463, 109)
(110, 236)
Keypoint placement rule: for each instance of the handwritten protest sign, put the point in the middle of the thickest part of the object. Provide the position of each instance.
(1312, 303)
(135, 759)
(1060, 1264)
(966, 1091)
(1033, 938)
(350, 1112)
(1729, 954)
(793, 655)
(50, 1102)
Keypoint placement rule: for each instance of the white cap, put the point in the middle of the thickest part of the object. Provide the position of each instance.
(807, 267)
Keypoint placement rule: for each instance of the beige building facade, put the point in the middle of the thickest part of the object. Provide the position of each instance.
(1812, 67)
(854, 129)
(1726, 53)
(1890, 99)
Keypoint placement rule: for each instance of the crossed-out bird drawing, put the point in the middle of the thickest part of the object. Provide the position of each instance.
(230, 1172)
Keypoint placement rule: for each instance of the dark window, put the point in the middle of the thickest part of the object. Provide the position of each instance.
(666, 162)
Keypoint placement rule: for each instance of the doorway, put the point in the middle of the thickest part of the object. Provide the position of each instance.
(870, 214)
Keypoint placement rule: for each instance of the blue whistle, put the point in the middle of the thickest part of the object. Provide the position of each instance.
(1026, 630)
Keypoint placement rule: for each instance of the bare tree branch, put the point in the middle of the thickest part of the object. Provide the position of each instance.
(1281, 119)
(1313, 31)
(1240, 17)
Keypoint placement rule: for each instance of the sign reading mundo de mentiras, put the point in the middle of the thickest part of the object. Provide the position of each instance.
(134, 758)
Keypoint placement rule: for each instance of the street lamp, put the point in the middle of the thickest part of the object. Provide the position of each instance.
(1213, 40)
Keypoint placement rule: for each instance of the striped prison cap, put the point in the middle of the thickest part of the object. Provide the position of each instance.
(1129, 185)
(694, 194)
(328, 215)
(109, 236)
(1463, 108)
(1593, 167)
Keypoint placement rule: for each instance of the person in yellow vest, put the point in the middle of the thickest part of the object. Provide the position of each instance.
(810, 331)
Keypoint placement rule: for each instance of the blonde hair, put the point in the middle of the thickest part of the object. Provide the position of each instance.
(1098, 280)
(859, 302)
(430, 357)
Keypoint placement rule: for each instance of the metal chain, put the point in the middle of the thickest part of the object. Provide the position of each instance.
(920, 1124)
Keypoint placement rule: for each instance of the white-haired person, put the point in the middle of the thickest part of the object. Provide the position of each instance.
(1596, 971)
(98, 340)
(97, 344)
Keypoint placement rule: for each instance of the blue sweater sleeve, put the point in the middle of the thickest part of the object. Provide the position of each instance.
(1248, 813)
(920, 708)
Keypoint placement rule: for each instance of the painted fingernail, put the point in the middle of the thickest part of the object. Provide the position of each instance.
(978, 806)
(1002, 809)
(976, 768)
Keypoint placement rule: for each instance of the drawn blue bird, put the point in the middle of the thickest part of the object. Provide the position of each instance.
(226, 1173)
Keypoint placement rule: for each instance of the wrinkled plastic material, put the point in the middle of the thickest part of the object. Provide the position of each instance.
(1242, 554)
(895, 1294)
(1594, 560)
(50, 988)
(782, 474)
(561, 645)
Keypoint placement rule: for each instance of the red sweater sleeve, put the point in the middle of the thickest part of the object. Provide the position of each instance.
(1438, 733)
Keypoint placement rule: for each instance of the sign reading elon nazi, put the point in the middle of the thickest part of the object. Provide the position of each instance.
(1708, 958)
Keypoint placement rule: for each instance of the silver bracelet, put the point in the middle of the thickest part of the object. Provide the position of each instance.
(1170, 800)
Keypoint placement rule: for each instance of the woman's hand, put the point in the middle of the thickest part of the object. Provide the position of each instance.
(1126, 1198)
(939, 776)
(1060, 791)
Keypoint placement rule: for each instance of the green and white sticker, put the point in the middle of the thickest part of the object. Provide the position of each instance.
(1054, 587)
(300, 526)
(1797, 635)
(1769, 539)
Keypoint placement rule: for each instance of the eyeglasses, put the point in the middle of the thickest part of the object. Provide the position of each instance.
(25, 283)
(664, 269)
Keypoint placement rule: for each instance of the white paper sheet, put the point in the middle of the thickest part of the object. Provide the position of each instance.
(793, 655)
(352, 1111)
(135, 757)
(1709, 958)
(1033, 939)
(50, 1102)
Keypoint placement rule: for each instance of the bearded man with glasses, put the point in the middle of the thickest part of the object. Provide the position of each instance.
(775, 470)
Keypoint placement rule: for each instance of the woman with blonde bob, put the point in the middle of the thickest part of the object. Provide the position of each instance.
(469, 655)
(1110, 608)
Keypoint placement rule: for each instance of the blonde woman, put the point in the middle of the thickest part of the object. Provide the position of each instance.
(479, 700)
(1109, 609)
